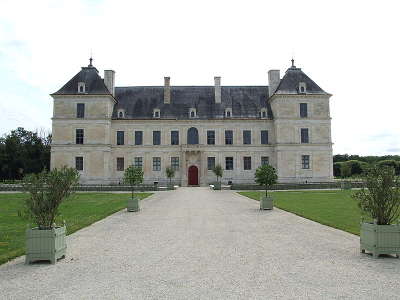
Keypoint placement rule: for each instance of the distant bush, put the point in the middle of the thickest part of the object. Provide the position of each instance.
(391, 163)
(336, 169)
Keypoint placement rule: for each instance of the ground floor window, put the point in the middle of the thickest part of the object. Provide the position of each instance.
(264, 160)
(305, 161)
(138, 162)
(210, 163)
(79, 163)
(156, 163)
(228, 163)
(247, 163)
(120, 163)
(175, 163)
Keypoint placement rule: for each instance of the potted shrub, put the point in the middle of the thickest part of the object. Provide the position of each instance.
(266, 176)
(133, 176)
(380, 203)
(47, 190)
(170, 172)
(218, 172)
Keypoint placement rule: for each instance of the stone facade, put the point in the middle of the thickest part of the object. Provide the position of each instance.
(99, 149)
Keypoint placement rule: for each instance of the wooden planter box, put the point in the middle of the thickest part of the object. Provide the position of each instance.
(133, 204)
(266, 203)
(380, 239)
(217, 186)
(45, 244)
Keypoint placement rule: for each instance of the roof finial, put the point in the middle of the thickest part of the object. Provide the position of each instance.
(90, 62)
(293, 62)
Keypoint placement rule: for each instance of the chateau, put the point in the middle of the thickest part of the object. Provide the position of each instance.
(101, 129)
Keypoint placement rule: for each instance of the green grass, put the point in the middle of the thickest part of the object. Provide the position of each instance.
(333, 208)
(81, 210)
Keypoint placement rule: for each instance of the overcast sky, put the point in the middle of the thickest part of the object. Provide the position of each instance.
(349, 48)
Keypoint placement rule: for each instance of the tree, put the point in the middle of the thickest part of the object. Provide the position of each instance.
(170, 172)
(345, 170)
(266, 176)
(218, 171)
(391, 163)
(133, 176)
(46, 192)
(380, 200)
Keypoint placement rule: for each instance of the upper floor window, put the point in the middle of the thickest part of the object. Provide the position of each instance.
(304, 135)
(157, 137)
(79, 163)
(120, 163)
(210, 137)
(175, 163)
(228, 163)
(264, 160)
(210, 163)
(121, 114)
(79, 136)
(247, 163)
(138, 137)
(120, 138)
(192, 136)
(80, 110)
(246, 137)
(263, 113)
(81, 87)
(228, 137)
(174, 137)
(305, 161)
(228, 112)
(192, 113)
(302, 87)
(264, 137)
(303, 110)
(156, 113)
(138, 162)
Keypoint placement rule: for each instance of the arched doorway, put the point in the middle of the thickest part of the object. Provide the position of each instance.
(193, 175)
(192, 136)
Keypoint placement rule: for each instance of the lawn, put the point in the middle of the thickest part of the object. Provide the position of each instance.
(333, 208)
(81, 210)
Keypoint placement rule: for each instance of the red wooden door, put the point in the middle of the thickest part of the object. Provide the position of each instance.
(193, 175)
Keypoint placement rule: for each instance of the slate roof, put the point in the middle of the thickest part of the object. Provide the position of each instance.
(139, 102)
(290, 83)
(94, 84)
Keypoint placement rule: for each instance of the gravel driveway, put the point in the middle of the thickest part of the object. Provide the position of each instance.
(195, 243)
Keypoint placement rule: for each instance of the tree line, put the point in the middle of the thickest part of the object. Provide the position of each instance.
(23, 152)
(345, 165)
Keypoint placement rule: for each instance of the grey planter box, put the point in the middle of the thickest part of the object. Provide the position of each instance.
(266, 203)
(380, 239)
(45, 244)
(133, 204)
(217, 186)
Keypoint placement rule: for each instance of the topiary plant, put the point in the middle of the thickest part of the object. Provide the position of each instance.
(47, 191)
(218, 171)
(133, 176)
(380, 200)
(266, 176)
(170, 172)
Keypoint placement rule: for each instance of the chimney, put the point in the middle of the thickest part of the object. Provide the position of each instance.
(109, 81)
(167, 90)
(217, 89)
(273, 81)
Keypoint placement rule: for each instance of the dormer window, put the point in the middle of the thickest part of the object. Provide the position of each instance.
(228, 112)
(81, 87)
(156, 113)
(192, 113)
(121, 114)
(302, 87)
(263, 113)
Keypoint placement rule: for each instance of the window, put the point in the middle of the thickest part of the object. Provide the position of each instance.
(210, 163)
(79, 135)
(156, 137)
(228, 163)
(120, 114)
(246, 137)
(192, 113)
(264, 137)
(120, 138)
(303, 110)
(304, 135)
(302, 87)
(79, 163)
(174, 137)
(138, 137)
(210, 137)
(247, 163)
(156, 113)
(81, 87)
(228, 112)
(138, 162)
(228, 137)
(192, 136)
(305, 161)
(156, 163)
(263, 113)
(80, 110)
(264, 160)
(120, 163)
(175, 163)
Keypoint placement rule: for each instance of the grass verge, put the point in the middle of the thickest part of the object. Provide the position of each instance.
(81, 210)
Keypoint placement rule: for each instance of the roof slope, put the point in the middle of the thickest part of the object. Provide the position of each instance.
(289, 84)
(139, 101)
(94, 84)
